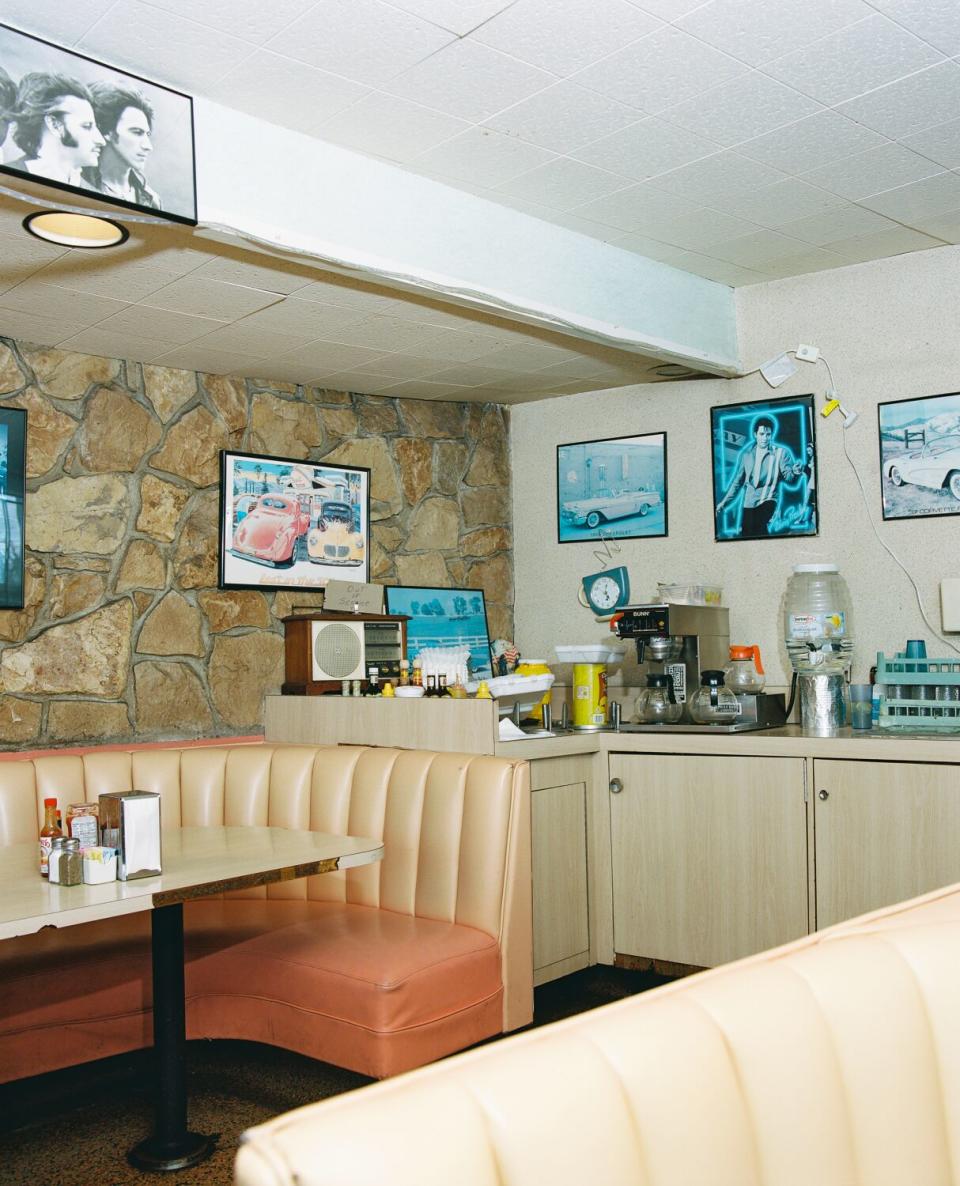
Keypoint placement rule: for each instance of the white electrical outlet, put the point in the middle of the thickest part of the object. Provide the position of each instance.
(808, 353)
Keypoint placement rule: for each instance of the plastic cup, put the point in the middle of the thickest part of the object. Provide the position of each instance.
(861, 707)
(916, 648)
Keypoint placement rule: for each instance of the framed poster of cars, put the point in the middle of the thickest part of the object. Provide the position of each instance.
(920, 456)
(292, 524)
(612, 489)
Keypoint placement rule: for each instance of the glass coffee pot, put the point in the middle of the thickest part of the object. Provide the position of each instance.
(656, 704)
(745, 674)
(713, 703)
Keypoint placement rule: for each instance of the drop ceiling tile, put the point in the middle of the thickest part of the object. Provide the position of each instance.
(482, 157)
(208, 361)
(251, 20)
(701, 229)
(181, 52)
(282, 91)
(564, 118)
(668, 10)
(942, 226)
(564, 184)
(814, 260)
(459, 16)
(940, 144)
(910, 105)
(120, 281)
(721, 272)
(23, 251)
(31, 328)
(564, 36)
(365, 40)
(302, 319)
(814, 140)
(400, 366)
(757, 30)
(872, 171)
(158, 323)
(639, 208)
(116, 344)
(470, 81)
(878, 246)
(467, 375)
(785, 201)
(54, 20)
(527, 356)
(845, 222)
(393, 129)
(452, 346)
(659, 70)
(920, 199)
(742, 109)
(243, 338)
(716, 177)
(210, 298)
(863, 56)
(247, 273)
(328, 357)
(585, 226)
(48, 300)
(936, 21)
(355, 381)
(758, 249)
(422, 389)
(646, 148)
(342, 291)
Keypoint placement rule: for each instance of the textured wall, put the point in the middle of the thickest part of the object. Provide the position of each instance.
(124, 633)
(889, 331)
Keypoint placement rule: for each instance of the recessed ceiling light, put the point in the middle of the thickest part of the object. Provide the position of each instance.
(75, 230)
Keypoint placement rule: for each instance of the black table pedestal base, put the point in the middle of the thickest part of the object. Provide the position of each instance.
(171, 1146)
(158, 1155)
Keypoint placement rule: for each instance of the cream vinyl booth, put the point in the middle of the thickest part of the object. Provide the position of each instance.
(832, 1061)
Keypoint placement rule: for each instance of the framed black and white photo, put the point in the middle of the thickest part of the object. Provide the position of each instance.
(920, 456)
(13, 454)
(289, 524)
(79, 125)
(612, 489)
(764, 469)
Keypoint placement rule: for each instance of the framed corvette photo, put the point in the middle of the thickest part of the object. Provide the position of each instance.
(920, 456)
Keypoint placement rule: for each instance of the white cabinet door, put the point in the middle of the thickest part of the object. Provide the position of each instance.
(885, 831)
(709, 856)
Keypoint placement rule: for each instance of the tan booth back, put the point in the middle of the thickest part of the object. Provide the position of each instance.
(834, 1061)
(450, 822)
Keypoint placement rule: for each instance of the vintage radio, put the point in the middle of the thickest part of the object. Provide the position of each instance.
(323, 649)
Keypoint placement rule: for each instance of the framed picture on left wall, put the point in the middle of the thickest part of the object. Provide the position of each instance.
(13, 456)
(291, 524)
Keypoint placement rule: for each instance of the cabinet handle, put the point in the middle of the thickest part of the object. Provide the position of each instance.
(823, 794)
(616, 786)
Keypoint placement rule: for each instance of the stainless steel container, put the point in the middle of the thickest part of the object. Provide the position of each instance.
(822, 710)
(130, 823)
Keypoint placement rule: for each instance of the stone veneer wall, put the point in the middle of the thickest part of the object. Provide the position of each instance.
(124, 634)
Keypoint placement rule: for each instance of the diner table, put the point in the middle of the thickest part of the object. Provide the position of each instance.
(197, 862)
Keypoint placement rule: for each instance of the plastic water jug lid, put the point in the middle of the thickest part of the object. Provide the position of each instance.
(814, 568)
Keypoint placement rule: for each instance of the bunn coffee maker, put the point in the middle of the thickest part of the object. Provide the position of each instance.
(680, 640)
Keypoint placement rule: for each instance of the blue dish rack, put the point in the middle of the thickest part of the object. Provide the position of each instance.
(919, 694)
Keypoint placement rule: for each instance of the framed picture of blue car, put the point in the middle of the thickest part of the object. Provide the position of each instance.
(764, 469)
(13, 455)
(612, 489)
(920, 456)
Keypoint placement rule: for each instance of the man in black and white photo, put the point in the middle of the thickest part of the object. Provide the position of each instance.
(125, 119)
(55, 128)
(8, 98)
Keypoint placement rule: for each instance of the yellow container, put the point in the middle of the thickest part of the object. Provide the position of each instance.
(589, 695)
(535, 667)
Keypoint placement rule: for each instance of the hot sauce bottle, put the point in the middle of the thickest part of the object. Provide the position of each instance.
(47, 834)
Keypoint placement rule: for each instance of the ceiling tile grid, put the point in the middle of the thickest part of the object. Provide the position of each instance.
(742, 140)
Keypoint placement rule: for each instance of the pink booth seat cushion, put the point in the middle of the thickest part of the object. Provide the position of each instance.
(363, 987)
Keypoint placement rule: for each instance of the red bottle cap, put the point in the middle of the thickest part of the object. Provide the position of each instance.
(49, 802)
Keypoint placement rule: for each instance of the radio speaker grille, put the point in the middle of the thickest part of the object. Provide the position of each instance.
(337, 650)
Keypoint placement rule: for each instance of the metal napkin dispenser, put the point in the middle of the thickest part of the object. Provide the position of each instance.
(130, 823)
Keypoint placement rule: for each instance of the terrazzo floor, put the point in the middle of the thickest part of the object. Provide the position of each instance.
(47, 1138)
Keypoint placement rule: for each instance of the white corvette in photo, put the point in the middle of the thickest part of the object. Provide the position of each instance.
(935, 465)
